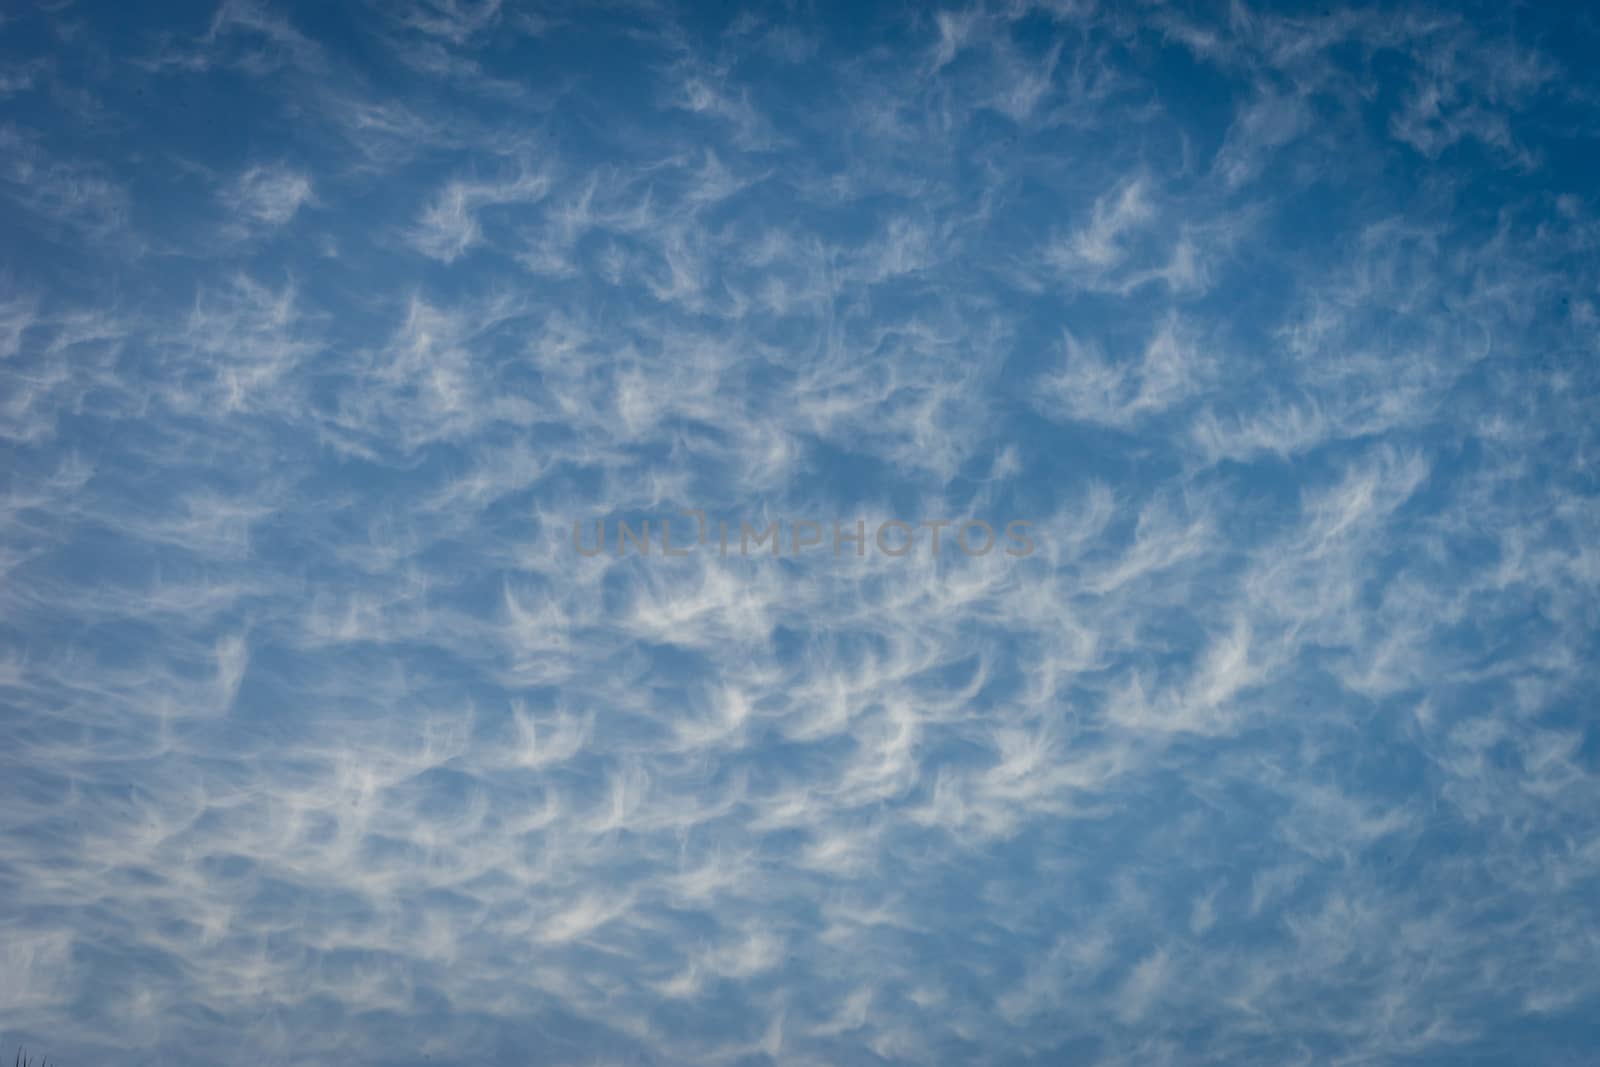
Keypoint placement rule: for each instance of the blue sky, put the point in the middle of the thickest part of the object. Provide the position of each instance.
(322, 325)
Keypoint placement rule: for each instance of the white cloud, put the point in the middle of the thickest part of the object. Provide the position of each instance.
(267, 197)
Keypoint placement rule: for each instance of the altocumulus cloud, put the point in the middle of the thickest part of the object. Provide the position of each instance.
(322, 327)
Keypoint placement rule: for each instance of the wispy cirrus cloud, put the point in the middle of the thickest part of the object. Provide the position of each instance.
(266, 197)
(322, 741)
(449, 225)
